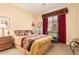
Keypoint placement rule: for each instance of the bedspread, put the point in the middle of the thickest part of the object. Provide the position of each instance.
(28, 41)
(36, 46)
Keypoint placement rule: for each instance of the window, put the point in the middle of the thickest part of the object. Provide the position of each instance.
(4, 25)
(53, 24)
(50, 23)
(53, 27)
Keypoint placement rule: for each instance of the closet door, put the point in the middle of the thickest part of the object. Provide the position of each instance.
(62, 28)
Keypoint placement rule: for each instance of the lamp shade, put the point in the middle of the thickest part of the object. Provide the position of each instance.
(40, 24)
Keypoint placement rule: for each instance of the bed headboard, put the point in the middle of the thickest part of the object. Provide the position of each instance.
(23, 32)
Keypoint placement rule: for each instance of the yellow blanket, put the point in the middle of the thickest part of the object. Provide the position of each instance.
(39, 43)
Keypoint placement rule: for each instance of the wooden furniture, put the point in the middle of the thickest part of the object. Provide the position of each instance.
(6, 42)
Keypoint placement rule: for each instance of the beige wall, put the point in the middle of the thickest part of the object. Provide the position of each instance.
(19, 18)
(71, 21)
(78, 19)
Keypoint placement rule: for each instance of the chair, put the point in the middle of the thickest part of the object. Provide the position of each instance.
(74, 44)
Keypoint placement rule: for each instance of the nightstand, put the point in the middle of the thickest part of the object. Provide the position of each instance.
(6, 42)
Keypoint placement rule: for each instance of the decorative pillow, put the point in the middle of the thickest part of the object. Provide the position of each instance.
(23, 32)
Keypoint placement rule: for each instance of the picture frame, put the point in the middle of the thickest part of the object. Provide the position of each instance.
(5, 20)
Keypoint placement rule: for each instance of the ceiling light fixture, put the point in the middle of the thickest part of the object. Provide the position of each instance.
(44, 4)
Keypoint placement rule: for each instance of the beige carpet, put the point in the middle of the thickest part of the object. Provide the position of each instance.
(57, 49)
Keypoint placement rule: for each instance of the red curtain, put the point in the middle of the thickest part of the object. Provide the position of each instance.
(45, 25)
(62, 28)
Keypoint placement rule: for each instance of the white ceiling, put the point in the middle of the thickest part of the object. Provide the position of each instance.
(39, 8)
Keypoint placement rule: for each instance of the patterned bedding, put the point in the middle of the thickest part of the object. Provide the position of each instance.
(31, 43)
(27, 41)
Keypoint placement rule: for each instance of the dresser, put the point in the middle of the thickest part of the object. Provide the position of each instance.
(6, 42)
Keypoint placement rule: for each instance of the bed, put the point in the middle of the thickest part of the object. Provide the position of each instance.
(32, 44)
